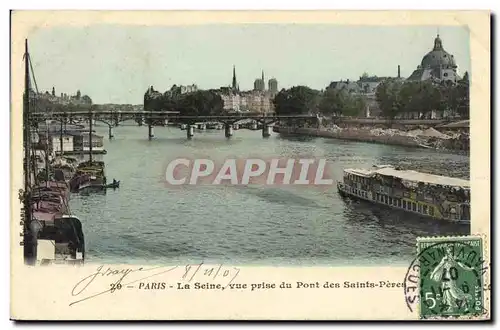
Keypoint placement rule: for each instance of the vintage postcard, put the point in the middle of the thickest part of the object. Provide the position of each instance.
(319, 165)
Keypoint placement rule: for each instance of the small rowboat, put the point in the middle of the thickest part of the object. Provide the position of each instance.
(113, 185)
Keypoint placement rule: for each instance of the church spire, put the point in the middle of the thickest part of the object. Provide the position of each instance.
(235, 85)
(262, 75)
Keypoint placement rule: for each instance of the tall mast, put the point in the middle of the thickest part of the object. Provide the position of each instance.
(47, 177)
(61, 139)
(26, 126)
(29, 248)
(90, 135)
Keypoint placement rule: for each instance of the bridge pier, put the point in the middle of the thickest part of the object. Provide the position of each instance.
(150, 132)
(254, 126)
(236, 126)
(266, 131)
(190, 132)
(228, 130)
(110, 131)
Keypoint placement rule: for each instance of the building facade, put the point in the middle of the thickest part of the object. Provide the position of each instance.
(63, 99)
(188, 89)
(259, 99)
(365, 87)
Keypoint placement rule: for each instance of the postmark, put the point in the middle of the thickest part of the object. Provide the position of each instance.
(446, 279)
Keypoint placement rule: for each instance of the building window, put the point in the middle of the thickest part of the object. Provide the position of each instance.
(445, 74)
(414, 206)
(425, 209)
(404, 204)
(419, 208)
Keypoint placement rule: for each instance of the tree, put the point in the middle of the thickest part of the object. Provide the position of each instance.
(332, 102)
(354, 105)
(463, 95)
(388, 98)
(408, 97)
(296, 100)
(427, 97)
(199, 103)
(86, 99)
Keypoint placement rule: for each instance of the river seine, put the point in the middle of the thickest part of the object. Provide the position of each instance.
(145, 221)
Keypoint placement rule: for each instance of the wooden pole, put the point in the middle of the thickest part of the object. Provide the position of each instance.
(61, 139)
(28, 244)
(91, 118)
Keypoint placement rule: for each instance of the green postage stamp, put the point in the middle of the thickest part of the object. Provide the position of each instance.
(451, 277)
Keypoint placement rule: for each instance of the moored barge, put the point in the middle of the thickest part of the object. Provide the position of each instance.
(433, 196)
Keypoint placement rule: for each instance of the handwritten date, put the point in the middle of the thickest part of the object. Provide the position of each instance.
(123, 278)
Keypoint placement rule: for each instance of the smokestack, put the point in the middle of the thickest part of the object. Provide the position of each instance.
(399, 71)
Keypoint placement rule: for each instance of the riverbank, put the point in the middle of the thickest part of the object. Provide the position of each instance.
(429, 138)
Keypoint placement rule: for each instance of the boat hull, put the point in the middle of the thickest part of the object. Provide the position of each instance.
(346, 193)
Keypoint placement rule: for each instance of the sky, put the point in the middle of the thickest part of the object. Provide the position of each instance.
(117, 63)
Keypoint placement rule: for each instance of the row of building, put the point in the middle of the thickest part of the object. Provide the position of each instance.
(260, 99)
(63, 99)
(437, 66)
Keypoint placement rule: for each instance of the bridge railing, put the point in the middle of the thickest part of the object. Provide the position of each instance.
(164, 114)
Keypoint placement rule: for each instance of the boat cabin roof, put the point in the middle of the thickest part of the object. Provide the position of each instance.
(413, 176)
(44, 216)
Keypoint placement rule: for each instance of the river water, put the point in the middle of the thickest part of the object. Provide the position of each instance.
(144, 221)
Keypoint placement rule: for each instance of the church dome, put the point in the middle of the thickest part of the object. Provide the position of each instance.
(438, 56)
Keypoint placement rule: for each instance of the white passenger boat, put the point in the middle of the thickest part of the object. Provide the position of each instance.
(434, 196)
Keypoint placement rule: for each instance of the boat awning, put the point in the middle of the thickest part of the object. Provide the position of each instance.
(44, 216)
(424, 177)
(360, 172)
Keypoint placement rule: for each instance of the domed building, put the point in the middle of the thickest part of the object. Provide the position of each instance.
(437, 65)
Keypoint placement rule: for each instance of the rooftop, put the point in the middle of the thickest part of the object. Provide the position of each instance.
(413, 176)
